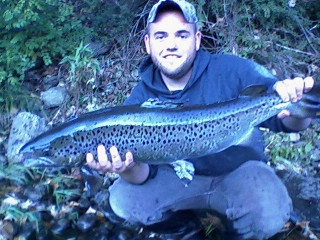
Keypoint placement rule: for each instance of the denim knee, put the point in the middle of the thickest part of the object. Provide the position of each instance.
(259, 202)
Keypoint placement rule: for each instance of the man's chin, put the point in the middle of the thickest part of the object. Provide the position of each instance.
(173, 74)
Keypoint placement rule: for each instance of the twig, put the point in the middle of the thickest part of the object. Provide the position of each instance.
(296, 50)
(306, 35)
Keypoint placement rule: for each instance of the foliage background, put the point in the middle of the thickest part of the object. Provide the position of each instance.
(282, 35)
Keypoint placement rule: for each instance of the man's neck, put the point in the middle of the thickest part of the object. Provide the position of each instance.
(177, 84)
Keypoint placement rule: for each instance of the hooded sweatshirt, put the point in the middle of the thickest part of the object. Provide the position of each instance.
(215, 78)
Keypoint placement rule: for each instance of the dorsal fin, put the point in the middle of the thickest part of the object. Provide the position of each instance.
(156, 103)
(254, 90)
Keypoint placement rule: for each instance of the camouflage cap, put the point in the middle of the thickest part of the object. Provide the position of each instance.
(186, 8)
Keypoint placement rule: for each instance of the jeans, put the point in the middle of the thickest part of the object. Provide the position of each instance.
(252, 199)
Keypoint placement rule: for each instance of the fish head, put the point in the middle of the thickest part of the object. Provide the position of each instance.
(42, 154)
(34, 160)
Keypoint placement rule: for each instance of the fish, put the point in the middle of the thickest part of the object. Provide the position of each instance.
(163, 132)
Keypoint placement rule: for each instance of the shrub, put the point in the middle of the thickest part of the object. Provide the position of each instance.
(35, 32)
(281, 36)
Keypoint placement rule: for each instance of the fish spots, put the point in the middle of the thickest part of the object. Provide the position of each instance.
(148, 141)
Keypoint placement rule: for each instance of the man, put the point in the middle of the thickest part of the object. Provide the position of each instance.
(236, 183)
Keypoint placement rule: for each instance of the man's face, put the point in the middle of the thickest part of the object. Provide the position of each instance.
(172, 43)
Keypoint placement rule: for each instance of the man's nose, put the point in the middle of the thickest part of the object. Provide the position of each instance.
(171, 43)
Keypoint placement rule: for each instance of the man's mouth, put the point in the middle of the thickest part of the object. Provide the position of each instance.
(171, 56)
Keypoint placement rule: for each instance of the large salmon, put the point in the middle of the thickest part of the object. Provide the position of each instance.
(162, 132)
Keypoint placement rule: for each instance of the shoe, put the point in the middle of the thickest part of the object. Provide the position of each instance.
(182, 225)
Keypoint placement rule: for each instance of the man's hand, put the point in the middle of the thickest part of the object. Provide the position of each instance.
(131, 171)
(114, 165)
(292, 90)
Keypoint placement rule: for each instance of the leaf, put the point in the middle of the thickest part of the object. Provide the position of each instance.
(8, 15)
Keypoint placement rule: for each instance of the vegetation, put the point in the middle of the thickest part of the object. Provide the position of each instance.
(282, 35)
(21, 216)
(283, 38)
(16, 173)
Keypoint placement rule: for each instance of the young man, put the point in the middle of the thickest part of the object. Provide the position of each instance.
(236, 183)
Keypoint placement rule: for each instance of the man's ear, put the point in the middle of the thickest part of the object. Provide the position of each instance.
(198, 40)
(147, 43)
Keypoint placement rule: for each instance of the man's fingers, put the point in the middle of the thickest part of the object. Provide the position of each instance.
(129, 160)
(283, 114)
(89, 158)
(116, 159)
(115, 164)
(91, 162)
(102, 156)
(293, 89)
(298, 84)
(308, 84)
(280, 88)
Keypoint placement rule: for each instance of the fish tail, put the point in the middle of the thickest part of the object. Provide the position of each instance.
(309, 105)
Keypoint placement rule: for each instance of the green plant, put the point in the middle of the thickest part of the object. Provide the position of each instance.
(62, 196)
(33, 33)
(270, 32)
(83, 67)
(65, 188)
(280, 147)
(16, 173)
(21, 216)
(83, 72)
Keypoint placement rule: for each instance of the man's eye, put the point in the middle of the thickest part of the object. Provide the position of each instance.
(159, 37)
(183, 36)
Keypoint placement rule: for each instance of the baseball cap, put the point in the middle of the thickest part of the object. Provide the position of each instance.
(188, 10)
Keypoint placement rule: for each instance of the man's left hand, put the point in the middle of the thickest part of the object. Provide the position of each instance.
(292, 90)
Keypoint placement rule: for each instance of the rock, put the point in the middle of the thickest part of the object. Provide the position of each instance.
(49, 82)
(86, 222)
(36, 193)
(24, 127)
(294, 137)
(101, 199)
(54, 97)
(93, 180)
(310, 189)
(61, 226)
(84, 202)
(99, 48)
(28, 232)
(304, 191)
(124, 234)
(44, 234)
(8, 229)
(102, 232)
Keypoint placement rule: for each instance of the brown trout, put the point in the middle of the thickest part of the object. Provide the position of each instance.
(162, 132)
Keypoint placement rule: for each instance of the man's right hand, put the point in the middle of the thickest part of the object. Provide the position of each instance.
(130, 170)
(114, 165)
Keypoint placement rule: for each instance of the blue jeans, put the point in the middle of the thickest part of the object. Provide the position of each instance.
(252, 198)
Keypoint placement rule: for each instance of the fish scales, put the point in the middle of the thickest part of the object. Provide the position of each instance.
(157, 135)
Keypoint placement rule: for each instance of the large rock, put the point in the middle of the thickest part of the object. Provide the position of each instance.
(305, 194)
(25, 126)
(54, 97)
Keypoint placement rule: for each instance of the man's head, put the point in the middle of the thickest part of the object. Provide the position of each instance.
(186, 8)
(173, 39)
